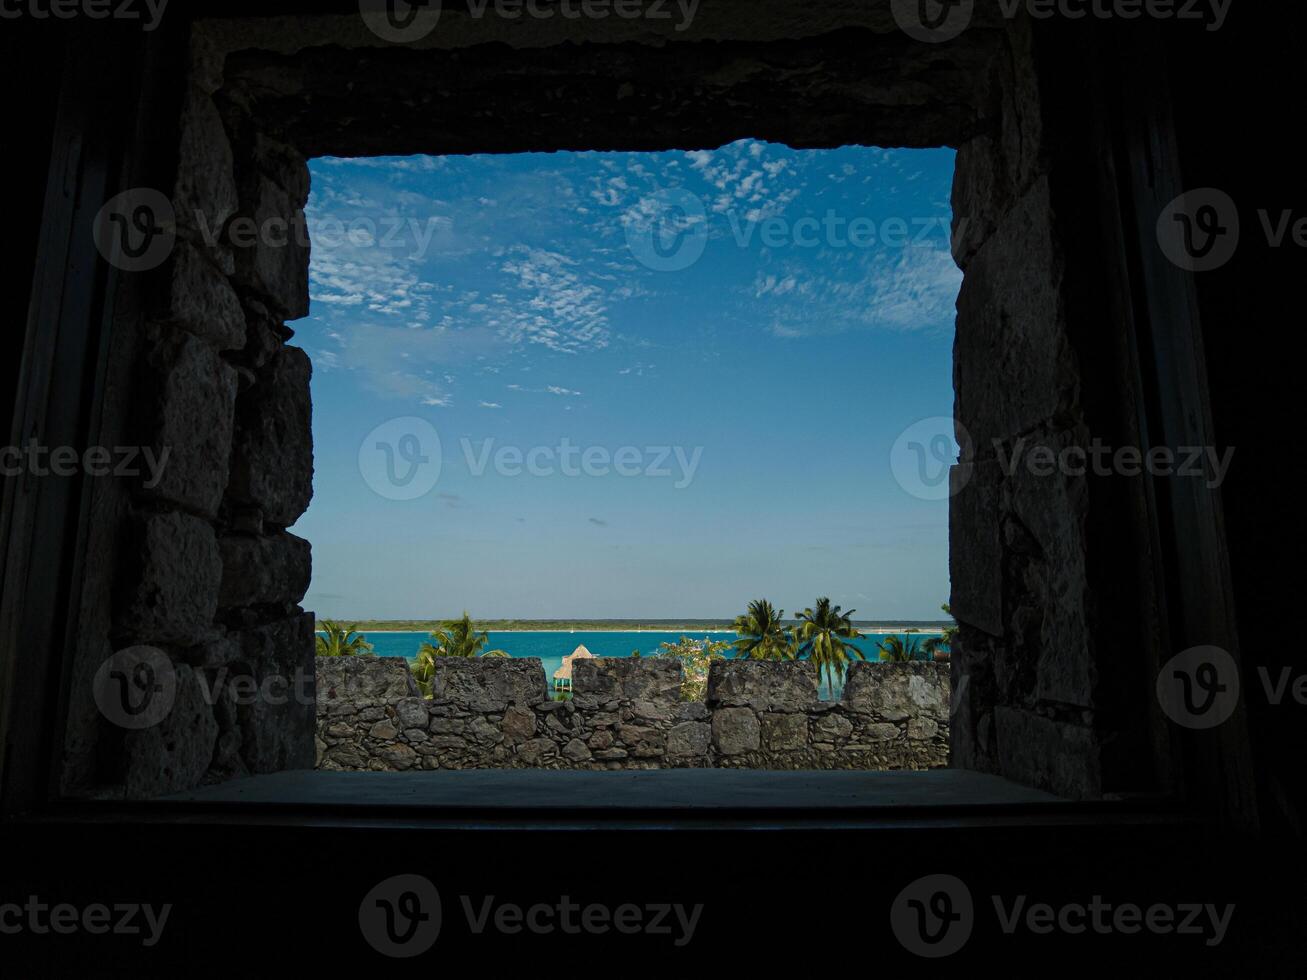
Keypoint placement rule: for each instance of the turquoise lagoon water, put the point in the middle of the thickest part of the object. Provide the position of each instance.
(552, 647)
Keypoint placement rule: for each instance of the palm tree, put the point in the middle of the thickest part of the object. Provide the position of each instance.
(455, 638)
(820, 636)
(763, 635)
(424, 669)
(933, 647)
(340, 640)
(898, 650)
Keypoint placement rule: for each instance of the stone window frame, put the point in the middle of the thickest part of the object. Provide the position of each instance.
(982, 93)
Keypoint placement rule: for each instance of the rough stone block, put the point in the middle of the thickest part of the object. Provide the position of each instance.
(576, 750)
(785, 732)
(831, 728)
(993, 169)
(880, 731)
(1013, 366)
(190, 394)
(536, 751)
(272, 253)
(735, 730)
(271, 568)
(272, 453)
(277, 723)
(398, 756)
(656, 680)
(489, 683)
(896, 692)
(922, 728)
(690, 739)
(201, 300)
(1047, 754)
(174, 596)
(975, 546)
(265, 334)
(411, 713)
(766, 685)
(204, 195)
(207, 57)
(519, 724)
(283, 164)
(368, 680)
(691, 711)
(1053, 512)
(174, 754)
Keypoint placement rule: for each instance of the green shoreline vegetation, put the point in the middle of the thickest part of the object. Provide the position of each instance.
(821, 634)
(615, 625)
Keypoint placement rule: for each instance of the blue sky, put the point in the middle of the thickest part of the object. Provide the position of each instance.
(754, 373)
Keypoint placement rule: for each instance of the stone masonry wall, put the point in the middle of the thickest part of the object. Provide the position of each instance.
(199, 564)
(627, 713)
(1047, 586)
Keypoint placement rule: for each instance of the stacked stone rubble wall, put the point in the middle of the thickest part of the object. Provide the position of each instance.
(627, 713)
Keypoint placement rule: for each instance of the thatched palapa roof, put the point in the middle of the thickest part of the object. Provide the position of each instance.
(564, 673)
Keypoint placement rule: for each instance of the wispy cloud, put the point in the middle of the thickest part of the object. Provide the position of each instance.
(909, 289)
